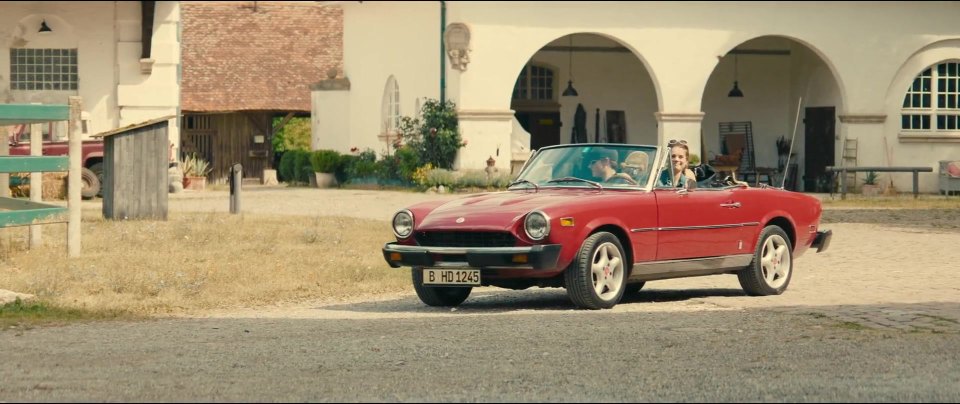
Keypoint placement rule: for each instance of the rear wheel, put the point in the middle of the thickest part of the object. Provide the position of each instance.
(90, 182)
(97, 169)
(772, 267)
(597, 277)
(438, 296)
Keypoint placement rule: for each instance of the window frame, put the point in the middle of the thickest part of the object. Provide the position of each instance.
(44, 69)
(526, 88)
(926, 118)
(390, 107)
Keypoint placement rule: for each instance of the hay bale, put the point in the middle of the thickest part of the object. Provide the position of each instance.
(54, 187)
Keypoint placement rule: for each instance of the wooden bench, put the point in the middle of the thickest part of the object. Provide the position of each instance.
(844, 170)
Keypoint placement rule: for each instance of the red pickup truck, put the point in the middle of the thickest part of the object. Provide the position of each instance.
(92, 151)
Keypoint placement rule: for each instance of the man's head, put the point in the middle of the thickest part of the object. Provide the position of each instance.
(601, 162)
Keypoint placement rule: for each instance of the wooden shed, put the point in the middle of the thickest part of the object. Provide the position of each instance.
(136, 160)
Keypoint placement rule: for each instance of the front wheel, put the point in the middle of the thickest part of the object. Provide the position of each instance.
(438, 296)
(97, 168)
(772, 267)
(597, 277)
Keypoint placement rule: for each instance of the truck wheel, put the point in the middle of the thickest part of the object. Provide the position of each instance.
(98, 170)
(91, 185)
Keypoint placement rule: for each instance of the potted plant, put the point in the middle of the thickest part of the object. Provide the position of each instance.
(870, 187)
(325, 164)
(195, 170)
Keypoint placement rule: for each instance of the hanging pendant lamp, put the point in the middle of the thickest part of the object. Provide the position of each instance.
(570, 91)
(44, 28)
(735, 92)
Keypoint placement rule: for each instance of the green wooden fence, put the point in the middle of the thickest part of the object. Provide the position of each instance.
(21, 212)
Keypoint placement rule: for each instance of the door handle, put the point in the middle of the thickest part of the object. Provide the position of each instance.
(730, 205)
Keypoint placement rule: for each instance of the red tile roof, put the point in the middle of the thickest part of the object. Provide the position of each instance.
(237, 57)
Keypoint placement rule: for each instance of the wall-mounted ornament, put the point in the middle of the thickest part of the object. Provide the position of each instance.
(457, 41)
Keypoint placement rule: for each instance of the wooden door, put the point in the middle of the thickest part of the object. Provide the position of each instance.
(544, 128)
(819, 147)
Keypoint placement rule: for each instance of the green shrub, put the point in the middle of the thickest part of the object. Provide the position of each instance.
(440, 176)
(301, 166)
(501, 180)
(388, 169)
(346, 161)
(363, 165)
(325, 161)
(472, 179)
(434, 136)
(286, 166)
(408, 162)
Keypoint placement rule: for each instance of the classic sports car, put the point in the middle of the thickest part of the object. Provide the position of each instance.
(559, 226)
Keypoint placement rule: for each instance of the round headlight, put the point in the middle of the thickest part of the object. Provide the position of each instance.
(403, 223)
(537, 225)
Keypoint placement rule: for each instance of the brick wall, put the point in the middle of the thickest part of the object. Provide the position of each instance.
(237, 56)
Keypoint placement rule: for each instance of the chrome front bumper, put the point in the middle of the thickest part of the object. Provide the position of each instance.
(531, 257)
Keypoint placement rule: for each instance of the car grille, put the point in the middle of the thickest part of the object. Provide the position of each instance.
(465, 239)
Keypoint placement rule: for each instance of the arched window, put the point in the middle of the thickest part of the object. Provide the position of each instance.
(535, 83)
(932, 102)
(390, 110)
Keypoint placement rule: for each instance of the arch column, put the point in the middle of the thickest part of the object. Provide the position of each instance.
(680, 125)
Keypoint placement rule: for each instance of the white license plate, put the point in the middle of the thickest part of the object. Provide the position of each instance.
(463, 277)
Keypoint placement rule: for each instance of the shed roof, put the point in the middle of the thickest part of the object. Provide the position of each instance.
(244, 56)
(130, 127)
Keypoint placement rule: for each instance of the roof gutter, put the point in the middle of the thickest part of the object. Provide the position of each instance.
(443, 51)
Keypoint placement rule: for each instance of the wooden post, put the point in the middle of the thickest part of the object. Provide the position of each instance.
(236, 180)
(5, 177)
(36, 181)
(74, 184)
(916, 187)
(843, 184)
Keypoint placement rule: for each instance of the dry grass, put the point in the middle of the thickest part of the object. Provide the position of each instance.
(194, 262)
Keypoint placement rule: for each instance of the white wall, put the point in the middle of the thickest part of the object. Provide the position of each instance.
(845, 55)
(107, 38)
(382, 39)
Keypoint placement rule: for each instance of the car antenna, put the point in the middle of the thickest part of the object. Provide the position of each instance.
(786, 166)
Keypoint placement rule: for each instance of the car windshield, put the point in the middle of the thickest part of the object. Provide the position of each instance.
(587, 165)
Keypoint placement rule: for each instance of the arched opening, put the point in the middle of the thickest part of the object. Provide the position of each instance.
(590, 73)
(753, 129)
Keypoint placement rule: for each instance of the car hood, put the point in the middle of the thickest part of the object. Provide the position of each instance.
(497, 211)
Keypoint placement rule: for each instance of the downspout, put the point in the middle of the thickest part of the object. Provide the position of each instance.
(443, 52)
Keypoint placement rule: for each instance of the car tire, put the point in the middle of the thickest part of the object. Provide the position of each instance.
(438, 296)
(633, 288)
(97, 169)
(772, 267)
(599, 265)
(90, 184)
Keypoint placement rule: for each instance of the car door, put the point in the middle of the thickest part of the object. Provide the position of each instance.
(697, 223)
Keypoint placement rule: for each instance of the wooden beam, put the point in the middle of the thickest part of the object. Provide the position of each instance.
(29, 164)
(282, 123)
(15, 114)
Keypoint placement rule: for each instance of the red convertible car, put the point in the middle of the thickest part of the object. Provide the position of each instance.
(559, 226)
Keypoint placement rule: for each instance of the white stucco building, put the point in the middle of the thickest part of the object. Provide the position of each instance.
(121, 57)
(883, 74)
